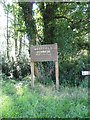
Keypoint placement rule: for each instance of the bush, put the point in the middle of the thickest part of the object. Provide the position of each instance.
(16, 69)
(70, 71)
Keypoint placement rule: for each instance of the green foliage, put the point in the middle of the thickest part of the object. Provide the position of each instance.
(47, 70)
(20, 101)
(17, 69)
(70, 70)
(67, 24)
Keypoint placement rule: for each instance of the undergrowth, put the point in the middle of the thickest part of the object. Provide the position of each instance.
(19, 100)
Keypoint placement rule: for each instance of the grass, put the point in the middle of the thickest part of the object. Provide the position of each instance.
(19, 100)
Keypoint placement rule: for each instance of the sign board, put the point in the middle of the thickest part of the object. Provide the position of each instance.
(44, 53)
(40, 53)
(85, 72)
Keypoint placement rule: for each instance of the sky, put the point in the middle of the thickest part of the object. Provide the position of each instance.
(2, 27)
(3, 19)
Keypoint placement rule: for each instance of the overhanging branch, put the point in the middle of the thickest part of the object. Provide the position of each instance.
(74, 24)
(65, 17)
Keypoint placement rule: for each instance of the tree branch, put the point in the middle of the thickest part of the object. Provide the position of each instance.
(65, 17)
(73, 23)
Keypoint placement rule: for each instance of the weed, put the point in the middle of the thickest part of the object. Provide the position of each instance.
(18, 100)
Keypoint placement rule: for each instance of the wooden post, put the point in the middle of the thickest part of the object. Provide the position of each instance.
(57, 75)
(32, 74)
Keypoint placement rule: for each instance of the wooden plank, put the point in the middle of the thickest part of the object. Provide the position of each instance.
(44, 53)
(32, 74)
(57, 75)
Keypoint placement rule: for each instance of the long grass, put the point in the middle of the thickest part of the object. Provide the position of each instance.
(19, 100)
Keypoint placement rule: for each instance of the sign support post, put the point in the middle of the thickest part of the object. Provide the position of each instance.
(32, 74)
(57, 75)
(42, 53)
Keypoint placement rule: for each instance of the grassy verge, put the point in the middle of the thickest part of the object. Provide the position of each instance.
(19, 100)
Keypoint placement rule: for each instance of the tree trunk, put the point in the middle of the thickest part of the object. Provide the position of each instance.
(20, 48)
(7, 38)
(16, 47)
(15, 34)
(27, 10)
(48, 12)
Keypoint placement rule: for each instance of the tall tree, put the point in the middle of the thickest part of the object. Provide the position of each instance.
(7, 33)
(7, 9)
(19, 28)
(15, 32)
(27, 8)
(48, 11)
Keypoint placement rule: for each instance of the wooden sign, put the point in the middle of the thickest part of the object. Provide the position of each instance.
(40, 53)
(44, 53)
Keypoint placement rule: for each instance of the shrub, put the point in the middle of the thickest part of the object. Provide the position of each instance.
(18, 69)
(70, 71)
